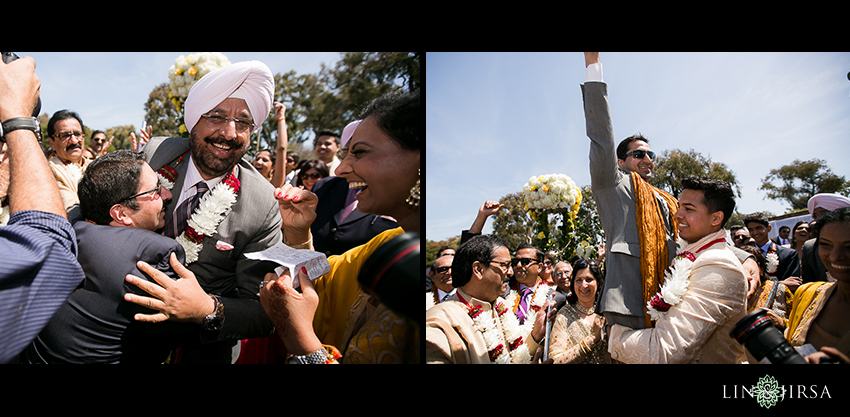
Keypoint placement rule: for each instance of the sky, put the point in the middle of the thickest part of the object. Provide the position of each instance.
(110, 89)
(496, 119)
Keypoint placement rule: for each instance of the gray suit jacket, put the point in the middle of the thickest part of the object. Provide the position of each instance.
(615, 201)
(252, 225)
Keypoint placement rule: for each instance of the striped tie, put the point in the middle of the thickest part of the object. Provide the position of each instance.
(177, 223)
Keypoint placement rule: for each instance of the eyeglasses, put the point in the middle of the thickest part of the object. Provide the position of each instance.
(290, 160)
(523, 261)
(242, 125)
(157, 190)
(547, 263)
(582, 262)
(562, 273)
(98, 140)
(313, 176)
(67, 135)
(739, 237)
(640, 153)
(504, 265)
(442, 269)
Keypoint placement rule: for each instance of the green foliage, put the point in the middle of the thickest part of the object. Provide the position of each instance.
(801, 180)
(674, 165)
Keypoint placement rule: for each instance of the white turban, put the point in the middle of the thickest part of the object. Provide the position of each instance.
(349, 131)
(828, 201)
(251, 81)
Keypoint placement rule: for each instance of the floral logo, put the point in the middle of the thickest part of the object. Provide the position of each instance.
(768, 392)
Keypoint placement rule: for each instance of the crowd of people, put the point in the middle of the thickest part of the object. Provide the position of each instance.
(670, 285)
(139, 256)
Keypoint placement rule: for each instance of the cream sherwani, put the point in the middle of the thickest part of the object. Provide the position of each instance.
(697, 329)
(67, 178)
(452, 337)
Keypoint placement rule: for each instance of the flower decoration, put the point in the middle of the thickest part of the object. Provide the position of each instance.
(677, 278)
(552, 195)
(186, 71)
(209, 213)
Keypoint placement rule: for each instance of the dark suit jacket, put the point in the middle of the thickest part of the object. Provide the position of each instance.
(812, 268)
(96, 325)
(334, 237)
(789, 263)
(252, 225)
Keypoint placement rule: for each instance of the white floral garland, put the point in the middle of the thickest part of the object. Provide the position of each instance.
(210, 211)
(677, 280)
(772, 259)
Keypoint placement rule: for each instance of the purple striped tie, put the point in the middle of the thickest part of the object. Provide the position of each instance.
(523, 305)
(177, 223)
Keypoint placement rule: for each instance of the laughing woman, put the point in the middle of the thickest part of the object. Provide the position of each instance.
(333, 315)
(820, 312)
(577, 332)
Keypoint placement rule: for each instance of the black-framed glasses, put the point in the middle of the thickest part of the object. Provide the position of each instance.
(739, 237)
(98, 140)
(582, 262)
(242, 125)
(640, 153)
(157, 190)
(523, 261)
(442, 269)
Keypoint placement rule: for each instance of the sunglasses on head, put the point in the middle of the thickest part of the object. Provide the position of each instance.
(640, 153)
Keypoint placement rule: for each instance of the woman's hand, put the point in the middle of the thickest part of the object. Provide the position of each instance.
(291, 312)
(297, 210)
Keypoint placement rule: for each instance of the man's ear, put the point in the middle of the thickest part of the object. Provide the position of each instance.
(120, 215)
(717, 218)
(620, 163)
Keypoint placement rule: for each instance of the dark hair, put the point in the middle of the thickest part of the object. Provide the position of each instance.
(759, 218)
(95, 132)
(434, 262)
(794, 231)
(295, 157)
(735, 228)
(305, 166)
(272, 154)
(107, 181)
(837, 216)
(326, 133)
(59, 116)
(784, 227)
(623, 147)
(480, 248)
(591, 265)
(718, 195)
(538, 254)
(397, 114)
(439, 252)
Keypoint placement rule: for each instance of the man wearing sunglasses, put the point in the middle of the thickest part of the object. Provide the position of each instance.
(121, 207)
(441, 277)
(640, 232)
(454, 331)
(526, 281)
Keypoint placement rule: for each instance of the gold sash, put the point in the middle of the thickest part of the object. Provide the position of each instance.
(653, 236)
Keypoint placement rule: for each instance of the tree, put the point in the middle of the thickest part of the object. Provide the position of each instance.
(162, 114)
(512, 223)
(674, 165)
(801, 180)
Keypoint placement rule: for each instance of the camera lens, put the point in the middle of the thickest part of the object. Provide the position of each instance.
(762, 340)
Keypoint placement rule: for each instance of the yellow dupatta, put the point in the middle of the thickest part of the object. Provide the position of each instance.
(653, 236)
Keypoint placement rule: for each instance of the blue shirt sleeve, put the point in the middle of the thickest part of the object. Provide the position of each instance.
(38, 271)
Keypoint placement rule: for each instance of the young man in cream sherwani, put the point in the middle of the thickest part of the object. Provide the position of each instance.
(695, 327)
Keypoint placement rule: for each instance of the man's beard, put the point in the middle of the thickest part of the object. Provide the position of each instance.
(210, 164)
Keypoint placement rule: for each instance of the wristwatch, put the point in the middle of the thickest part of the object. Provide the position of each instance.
(29, 123)
(318, 357)
(214, 320)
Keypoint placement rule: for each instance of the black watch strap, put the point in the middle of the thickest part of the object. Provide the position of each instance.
(29, 123)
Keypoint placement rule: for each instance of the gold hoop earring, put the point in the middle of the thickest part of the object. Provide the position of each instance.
(413, 200)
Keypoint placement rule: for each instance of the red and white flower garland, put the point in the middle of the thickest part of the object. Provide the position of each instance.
(210, 212)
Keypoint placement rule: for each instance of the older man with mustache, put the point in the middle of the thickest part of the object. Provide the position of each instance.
(66, 135)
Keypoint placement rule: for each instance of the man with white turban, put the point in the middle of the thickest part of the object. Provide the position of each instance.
(812, 268)
(219, 291)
